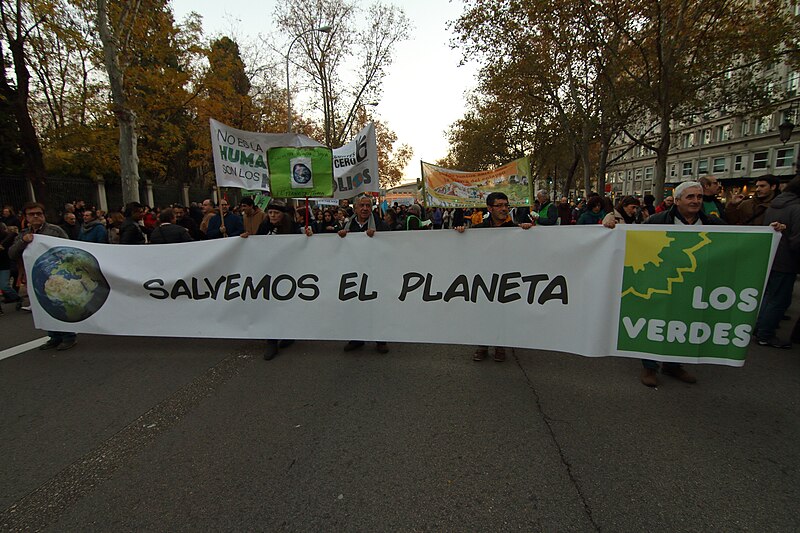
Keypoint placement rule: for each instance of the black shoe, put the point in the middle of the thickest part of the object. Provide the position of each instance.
(775, 342)
(382, 347)
(49, 345)
(285, 343)
(66, 345)
(353, 345)
(272, 350)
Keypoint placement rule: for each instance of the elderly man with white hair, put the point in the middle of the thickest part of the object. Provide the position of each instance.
(547, 215)
(687, 211)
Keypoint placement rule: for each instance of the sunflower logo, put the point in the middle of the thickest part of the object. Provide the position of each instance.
(656, 260)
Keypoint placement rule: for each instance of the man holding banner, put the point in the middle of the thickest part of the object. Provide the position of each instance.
(225, 223)
(498, 205)
(364, 221)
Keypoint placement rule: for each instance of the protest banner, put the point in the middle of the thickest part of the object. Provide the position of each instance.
(301, 172)
(355, 165)
(240, 157)
(444, 187)
(667, 293)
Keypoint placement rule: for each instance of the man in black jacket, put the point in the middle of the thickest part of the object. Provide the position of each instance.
(167, 231)
(364, 221)
(784, 210)
(497, 203)
(130, 232)
(687, 211)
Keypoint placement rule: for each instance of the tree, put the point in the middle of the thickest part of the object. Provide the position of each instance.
(18, 20)
(538, 55)
(115, 37)
(326, 56)
(680, 58)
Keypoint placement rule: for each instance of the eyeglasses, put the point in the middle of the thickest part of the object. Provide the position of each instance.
(36, 214)
(504, 204)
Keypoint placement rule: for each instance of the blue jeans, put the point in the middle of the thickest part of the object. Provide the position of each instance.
(5, 286)
(777, 299)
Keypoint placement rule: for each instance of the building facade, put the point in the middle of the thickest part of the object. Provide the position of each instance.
(736, 149)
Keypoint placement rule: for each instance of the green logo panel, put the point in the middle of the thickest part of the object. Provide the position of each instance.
(691, 294)
(300, 172)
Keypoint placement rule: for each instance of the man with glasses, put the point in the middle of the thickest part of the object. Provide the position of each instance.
(232, 226)
(497, 202)
(711, 204)
(37, 225)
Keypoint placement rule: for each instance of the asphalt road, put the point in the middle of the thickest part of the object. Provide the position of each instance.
(147, 434)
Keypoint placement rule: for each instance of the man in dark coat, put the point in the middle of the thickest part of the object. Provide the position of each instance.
(130, 231)
(497, 203)
(366, 222)
(784, 210)
(167, 231)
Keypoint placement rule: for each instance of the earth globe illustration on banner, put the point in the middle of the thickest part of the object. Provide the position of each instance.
(68, 284)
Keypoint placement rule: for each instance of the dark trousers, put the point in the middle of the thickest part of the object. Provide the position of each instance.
(777, 299)
(62, 335)
(653, 365)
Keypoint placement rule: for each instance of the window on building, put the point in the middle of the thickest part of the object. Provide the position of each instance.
(762, 124)
(718, 165)
(687, 140)
(745, 128)
(702, 166)
(648, 173)
(791, 84)
(738, 163)
(687, 169)
(784, 158)
(760, 160)
(706, 137)
(673, 170)
(790, 115)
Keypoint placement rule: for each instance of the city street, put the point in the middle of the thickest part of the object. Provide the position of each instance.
(152, 434)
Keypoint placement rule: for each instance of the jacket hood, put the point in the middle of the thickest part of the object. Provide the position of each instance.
(784, 199)
(90, 225)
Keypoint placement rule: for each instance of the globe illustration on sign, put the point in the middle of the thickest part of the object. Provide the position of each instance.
(68, 284)
(301, 173)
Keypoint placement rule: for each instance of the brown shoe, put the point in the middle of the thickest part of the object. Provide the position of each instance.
(480, 354)
(499, 354)
(649, 377)
(678, 373)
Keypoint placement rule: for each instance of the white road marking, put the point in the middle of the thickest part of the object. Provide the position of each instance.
(11, 352)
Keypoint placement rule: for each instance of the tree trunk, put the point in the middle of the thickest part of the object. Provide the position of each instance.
(573, 167)
(128, 158)
(662, 152)
(28, 140)
(602, 163)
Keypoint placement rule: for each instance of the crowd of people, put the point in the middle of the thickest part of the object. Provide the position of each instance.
(691, 203)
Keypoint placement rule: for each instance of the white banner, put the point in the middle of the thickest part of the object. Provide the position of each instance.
(355, 165)
(556, 288)
(240, 157)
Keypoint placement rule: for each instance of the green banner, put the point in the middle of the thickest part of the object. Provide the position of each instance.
(692, 294)
(300, 172)
(259, 198)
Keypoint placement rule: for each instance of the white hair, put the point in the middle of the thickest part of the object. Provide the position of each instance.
(543, 192)
(678, 192)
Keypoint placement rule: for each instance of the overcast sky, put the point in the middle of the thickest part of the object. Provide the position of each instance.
(424, 91)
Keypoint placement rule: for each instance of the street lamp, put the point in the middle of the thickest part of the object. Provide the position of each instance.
(787, 126)
(323, 29)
